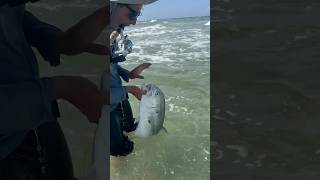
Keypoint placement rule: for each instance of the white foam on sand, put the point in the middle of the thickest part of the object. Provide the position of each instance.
(207, 24)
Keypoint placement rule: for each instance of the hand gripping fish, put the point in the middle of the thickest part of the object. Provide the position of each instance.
(152, 112)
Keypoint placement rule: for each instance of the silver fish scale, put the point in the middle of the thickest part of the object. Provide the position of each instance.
(152, 111)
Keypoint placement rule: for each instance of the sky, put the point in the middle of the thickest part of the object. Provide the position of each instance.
(165, 9)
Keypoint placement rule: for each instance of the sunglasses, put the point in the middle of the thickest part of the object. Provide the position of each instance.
(134, 14)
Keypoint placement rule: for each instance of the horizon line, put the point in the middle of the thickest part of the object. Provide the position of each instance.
(172, 18)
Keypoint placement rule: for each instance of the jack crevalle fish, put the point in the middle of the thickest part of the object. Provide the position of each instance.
(152, 112)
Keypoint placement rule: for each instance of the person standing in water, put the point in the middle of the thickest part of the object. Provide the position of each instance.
(123, 13)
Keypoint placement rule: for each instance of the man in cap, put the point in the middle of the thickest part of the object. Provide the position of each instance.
(32, 145)
(123, 13)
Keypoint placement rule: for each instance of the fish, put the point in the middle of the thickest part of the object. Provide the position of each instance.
(152, 112)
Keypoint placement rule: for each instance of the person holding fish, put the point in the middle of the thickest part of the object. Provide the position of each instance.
(122, 13)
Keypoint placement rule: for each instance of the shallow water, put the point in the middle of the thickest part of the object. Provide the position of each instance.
(179, 52)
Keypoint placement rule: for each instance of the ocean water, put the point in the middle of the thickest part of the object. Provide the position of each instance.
(179, 52)
(265, 90)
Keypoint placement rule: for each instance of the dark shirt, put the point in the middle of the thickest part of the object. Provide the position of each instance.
(25, 98)
(118, 92)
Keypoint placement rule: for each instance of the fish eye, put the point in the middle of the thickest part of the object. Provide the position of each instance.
(149, 121)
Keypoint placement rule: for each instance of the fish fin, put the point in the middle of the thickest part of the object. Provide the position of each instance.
(165, 130)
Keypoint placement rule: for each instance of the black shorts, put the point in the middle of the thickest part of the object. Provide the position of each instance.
(120, 118)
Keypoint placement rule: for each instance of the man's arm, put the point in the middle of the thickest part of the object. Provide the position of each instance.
(51, 41)
(43, 37)
(123, 73)
(80, 92)
(80, 37)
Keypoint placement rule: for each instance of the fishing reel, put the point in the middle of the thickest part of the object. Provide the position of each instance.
(13, 3)
(122, 46)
